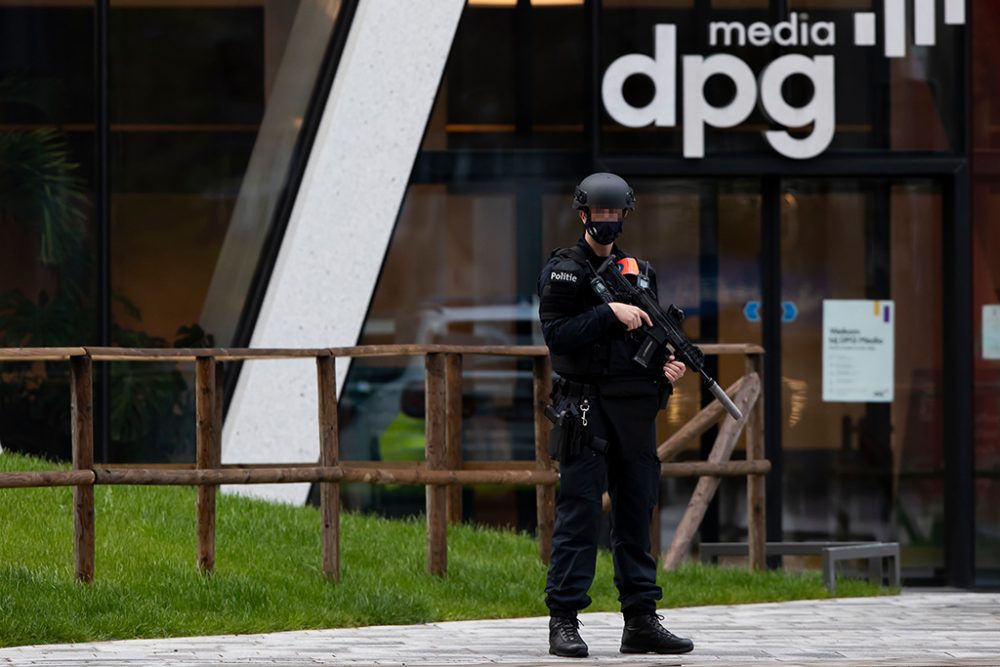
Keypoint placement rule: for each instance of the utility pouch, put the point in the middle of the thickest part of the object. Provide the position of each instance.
(569, 434)
(565, 434)
(557, 433)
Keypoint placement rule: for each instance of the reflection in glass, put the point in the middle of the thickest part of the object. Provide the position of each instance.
(202, 139)
(986, 284)
(985, 93)
(47, 275)
(516, 78)
(986, 409)
(864, 471)
(201, 142)
(448, 277)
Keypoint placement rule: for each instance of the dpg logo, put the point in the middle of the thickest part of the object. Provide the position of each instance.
(819, 112)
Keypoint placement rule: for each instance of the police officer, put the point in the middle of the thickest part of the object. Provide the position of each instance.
(614, 401)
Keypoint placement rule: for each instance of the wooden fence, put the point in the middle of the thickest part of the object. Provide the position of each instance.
(443, 472)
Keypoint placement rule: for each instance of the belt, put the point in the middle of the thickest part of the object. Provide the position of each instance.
(570, 389)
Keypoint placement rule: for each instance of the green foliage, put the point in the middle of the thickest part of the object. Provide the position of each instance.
(268, 574)
(194, 336)
(42, 323)
(42, 191)
(40, 188)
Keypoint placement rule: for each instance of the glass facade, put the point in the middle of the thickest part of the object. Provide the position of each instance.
(205, 140)
(985, 124)
(523, 76)
(200, 148)
(864, 471)
(906, 104)
(514, 128)
(48, 276)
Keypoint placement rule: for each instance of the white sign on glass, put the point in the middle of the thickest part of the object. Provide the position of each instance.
(991, 332)
(858, 351)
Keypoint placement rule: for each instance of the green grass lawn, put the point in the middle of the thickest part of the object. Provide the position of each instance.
(268, 574)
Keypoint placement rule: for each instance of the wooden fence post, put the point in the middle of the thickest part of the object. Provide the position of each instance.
(545, 494)
(436, 433)
(220, 384)
(705, 489)
(209, 456)
(82, 411)
(453, 431)
(756, 524)
(329, 455)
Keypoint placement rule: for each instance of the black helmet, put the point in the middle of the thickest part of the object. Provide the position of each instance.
(604, 190)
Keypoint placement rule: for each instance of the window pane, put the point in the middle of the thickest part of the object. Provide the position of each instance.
(516, 78)
(986, 283)
(47, 277)
(448, 278)
(864, 471)
(986, 409)
(202, 138)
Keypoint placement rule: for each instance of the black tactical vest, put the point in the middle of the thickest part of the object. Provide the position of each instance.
(612, 356)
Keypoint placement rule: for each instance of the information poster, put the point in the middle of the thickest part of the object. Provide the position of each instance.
(858, 351)
(991, 332)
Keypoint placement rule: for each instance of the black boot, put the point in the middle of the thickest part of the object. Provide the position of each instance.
(564, 640)
(644, 634)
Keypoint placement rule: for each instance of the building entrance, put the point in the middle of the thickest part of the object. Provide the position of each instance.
(856, 469)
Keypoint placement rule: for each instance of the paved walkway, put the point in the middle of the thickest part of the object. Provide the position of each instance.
(913, 629)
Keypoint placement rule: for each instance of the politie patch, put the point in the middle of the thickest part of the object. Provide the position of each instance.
(563, 276)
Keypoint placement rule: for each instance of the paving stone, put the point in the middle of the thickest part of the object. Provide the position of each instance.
(912, 629)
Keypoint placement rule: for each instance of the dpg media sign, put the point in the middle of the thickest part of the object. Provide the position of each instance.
(765, 87)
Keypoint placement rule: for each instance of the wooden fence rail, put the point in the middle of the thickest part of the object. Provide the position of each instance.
(443, 472)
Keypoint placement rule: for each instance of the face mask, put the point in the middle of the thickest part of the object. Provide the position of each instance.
(605, 231)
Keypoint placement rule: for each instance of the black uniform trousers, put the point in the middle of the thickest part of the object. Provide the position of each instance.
(630, 471)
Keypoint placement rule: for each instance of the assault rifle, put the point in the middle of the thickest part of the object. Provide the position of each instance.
(666, 329)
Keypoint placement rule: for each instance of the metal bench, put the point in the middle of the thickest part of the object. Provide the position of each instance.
(832, 552)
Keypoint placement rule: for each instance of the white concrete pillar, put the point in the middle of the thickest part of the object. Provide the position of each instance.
(340, 226)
